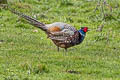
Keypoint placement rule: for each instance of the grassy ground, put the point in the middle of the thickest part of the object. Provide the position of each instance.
(26, 54)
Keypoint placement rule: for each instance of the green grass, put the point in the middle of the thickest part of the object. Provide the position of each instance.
(29, 55)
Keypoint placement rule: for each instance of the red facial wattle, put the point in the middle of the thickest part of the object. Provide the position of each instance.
(85, 29)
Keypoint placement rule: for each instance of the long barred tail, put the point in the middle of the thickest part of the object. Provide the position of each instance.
(32, 21)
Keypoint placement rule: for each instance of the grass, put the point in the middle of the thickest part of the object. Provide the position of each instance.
(28, 55)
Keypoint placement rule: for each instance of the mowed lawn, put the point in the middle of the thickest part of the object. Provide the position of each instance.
(27, 54)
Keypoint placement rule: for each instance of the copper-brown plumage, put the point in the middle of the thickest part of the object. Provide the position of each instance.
(54, 29)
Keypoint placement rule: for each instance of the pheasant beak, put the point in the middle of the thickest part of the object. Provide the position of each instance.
(89, 30)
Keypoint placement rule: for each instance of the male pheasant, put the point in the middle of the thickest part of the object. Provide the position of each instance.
(62, 34)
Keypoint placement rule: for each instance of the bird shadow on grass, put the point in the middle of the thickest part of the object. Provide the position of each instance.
(73, 72)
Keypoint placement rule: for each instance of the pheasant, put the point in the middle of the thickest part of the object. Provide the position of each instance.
(62, 34)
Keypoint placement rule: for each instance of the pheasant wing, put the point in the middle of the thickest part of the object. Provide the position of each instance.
(62, 37)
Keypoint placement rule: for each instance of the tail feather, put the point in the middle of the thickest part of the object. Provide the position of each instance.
(31, 20)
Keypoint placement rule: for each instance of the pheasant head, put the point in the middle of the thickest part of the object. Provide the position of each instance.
(83, 30)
